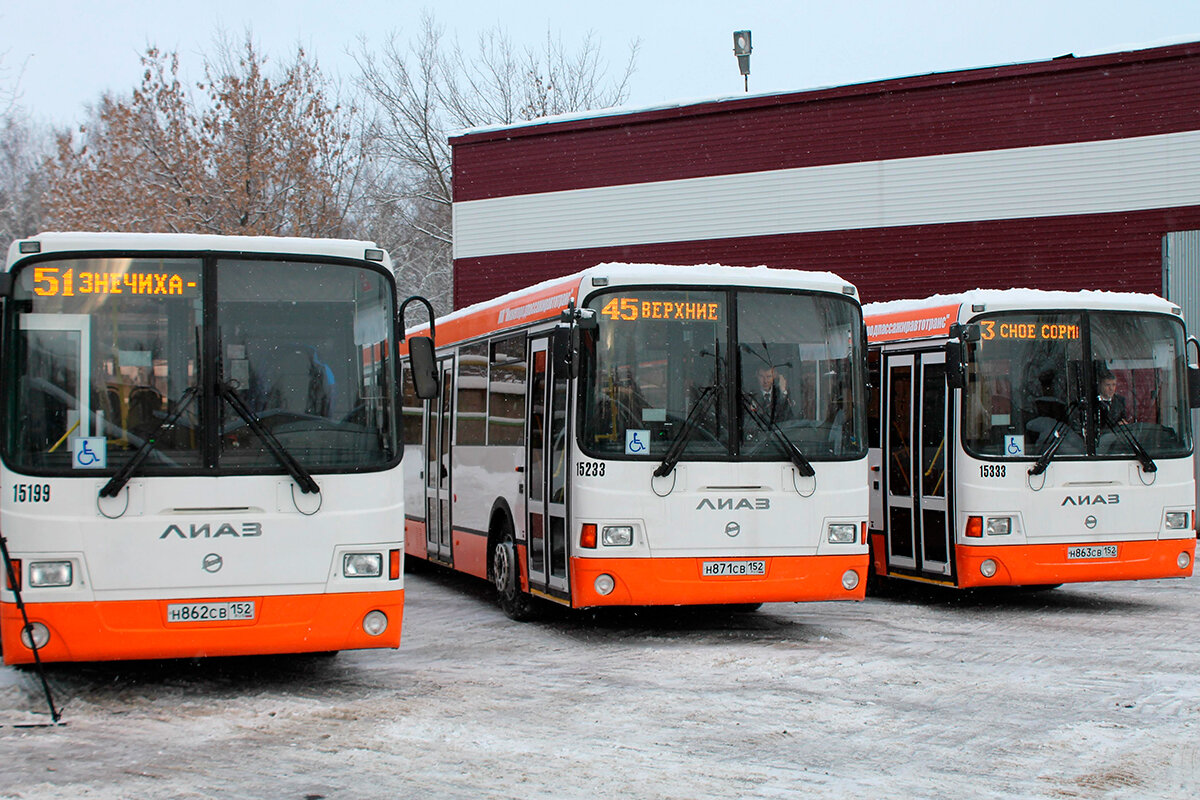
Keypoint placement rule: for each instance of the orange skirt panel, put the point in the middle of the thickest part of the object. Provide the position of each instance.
(138, 629)
(679, 581)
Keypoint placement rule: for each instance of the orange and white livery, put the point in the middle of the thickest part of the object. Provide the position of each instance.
(1030, 438)
(648, 435)
(200, 447)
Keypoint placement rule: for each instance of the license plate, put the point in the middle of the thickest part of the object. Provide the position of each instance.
(1103, 551)
(210, 612)
(721, 569)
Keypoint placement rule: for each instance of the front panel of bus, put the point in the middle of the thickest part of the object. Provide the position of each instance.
(162, 371)
(747, 403)
(1075, 449)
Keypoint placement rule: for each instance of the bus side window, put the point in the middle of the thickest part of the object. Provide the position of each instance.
(411, 406)
(873, 378)
(506, 392)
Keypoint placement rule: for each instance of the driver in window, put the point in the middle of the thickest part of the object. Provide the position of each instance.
(771, 398)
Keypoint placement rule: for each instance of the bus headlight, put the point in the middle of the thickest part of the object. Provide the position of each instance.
(1177, 520)
(35, 635)
(842, 533)
(999, 526)
(605, 584)
(375, 622)
(362, 565)
(1183, 560)
(849, 580)
(50, 573)
(617, 535)
(988, 568)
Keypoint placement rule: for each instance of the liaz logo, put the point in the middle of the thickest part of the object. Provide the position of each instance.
(209, 531)
(1091, 500)
(729, 504)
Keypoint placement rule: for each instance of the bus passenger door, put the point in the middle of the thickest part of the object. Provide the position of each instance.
(897, 447)
(932, 529)
(916, 443)
(438, 422)
(546, 471)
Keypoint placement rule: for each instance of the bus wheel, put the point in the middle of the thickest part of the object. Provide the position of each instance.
(505, 574)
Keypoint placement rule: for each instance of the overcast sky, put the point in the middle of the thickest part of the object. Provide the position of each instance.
(62, 55)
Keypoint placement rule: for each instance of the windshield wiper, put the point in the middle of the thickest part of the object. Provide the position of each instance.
(1056, 437)
(1121, 428)
(803, 466)
(675, 450)
(118, 481)
(299, 474)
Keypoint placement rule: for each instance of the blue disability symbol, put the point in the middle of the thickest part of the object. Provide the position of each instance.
(636, 445)
(1013, 448)
(86, 457)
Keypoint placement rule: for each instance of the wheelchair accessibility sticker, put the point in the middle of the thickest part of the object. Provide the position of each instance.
(89, 452)
(637, 441)
(1014, 445)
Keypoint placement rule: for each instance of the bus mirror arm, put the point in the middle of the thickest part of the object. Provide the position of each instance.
(420, 351)
(1193, 373)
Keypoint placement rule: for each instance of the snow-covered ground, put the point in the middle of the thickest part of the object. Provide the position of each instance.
(1090, 691)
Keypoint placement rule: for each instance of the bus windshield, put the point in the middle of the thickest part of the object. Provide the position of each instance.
(101, 352)
(1102, 382)
(753, 369)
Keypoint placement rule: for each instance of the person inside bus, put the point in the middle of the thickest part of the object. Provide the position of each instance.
(1112, 405)
(771, 398)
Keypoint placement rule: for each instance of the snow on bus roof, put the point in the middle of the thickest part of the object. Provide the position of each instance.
(1024, 298)
(65, 241)
(700, 274)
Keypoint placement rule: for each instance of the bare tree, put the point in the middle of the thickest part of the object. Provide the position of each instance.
(257, 154)
(431, 87)
(24, 144)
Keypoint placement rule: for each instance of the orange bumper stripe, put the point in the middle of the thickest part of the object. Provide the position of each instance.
(678, 581)
(138, 629)
(1033, 564)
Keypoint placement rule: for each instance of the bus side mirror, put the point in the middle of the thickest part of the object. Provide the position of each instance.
(423, 367)
(1193, 373)
(956, 371)
(566, 350)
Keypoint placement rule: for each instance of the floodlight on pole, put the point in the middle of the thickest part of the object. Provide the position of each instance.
(741, 49)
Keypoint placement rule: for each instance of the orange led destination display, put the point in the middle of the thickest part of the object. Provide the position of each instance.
(990, 329)
(58, 282)
(631, 308)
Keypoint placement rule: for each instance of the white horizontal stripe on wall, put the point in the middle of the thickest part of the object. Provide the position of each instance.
(1053, 180)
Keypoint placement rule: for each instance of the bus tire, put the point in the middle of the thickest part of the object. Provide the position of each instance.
(516, 604)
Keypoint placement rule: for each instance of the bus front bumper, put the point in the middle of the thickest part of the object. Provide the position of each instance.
(140, 629)
(682, 581)
(1076, 562)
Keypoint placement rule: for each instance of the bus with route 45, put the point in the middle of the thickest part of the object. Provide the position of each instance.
(1030, 438)
(199, 447)
(638, 435)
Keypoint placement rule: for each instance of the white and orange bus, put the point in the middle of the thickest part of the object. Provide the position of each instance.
(200, 447)
(1030, 438)
(603, 439)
